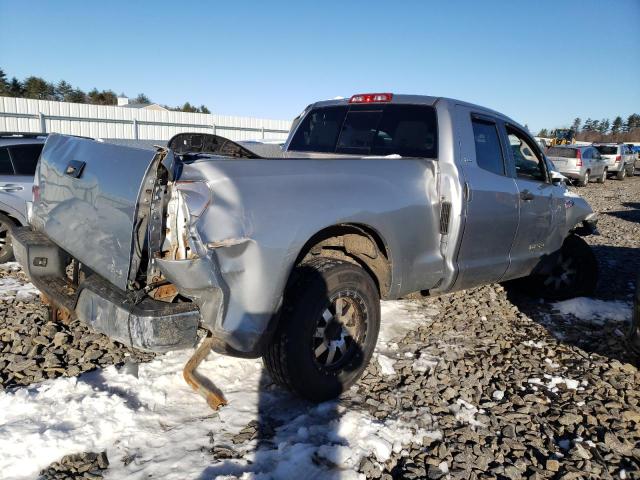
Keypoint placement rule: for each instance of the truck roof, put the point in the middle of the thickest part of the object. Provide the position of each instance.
(418, 100)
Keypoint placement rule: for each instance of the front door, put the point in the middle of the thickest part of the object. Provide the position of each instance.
(491, 201)
(538, 208)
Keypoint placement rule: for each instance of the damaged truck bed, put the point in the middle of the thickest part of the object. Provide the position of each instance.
(286, 258)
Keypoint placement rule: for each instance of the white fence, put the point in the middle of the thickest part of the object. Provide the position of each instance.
(99, 121)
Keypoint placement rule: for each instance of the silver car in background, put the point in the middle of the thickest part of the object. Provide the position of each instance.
(582, 163)
(19, 153)
(619, 157)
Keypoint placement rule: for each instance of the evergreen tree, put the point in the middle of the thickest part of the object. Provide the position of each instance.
(36, 87)
(543, 132)
(188, 108)
(588, 125)
(63, 90)
(576, 124)
(4, 85)
(204, 109)
(604, 125)
(616, 126)
(142, 98)
(633, 121)
(105, 97)
(77, 96)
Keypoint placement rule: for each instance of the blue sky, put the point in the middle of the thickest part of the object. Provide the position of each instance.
(540, 62)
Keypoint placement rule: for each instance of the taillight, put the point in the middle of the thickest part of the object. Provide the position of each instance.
(371, 98)
(618, 158)
(35, 193)
(579, 158)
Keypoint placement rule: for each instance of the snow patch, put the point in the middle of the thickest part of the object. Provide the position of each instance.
(551, 382)
(168, 431)
(11, 288)
(386, 364)
(466, 412)
(10, 267)
(593, 310)
(400, 317)
(425, 363)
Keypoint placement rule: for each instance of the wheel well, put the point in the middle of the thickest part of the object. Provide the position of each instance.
(15, 221)
(355, 243)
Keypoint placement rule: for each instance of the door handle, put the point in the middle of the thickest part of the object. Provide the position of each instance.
(526, 195)
(11, 187)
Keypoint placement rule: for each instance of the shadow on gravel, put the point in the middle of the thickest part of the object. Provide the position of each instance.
(291, 437)
(632, 215)
(96, 380)
(618, 267)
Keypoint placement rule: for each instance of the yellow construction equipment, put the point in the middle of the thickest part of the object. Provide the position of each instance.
(563, 136)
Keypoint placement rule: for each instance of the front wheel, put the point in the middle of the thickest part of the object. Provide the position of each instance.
(572, 272)
(328, 329)
(6, 249)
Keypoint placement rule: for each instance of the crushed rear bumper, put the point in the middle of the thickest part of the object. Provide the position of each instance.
(148, 324)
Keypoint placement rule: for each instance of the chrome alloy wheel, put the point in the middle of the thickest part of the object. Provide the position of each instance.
(563, 273)
(340, 330)
(5, 239)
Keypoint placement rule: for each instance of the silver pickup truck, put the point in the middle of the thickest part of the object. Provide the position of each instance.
(287, 257)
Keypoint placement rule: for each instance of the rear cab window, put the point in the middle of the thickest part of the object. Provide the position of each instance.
(373, 129)
(25, 157)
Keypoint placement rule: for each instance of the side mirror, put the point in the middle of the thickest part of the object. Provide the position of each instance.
(557, 178)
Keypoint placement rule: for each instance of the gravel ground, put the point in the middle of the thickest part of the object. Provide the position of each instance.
(518, 390)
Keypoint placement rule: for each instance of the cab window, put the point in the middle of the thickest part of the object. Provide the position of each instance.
(5, 162)
(25, 158)
(529, 164)
(488, 150)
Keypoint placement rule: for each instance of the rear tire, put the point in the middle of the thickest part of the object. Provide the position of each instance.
(6, 249)
(603, 178)
(328, 329)
(584, 181)
(573, 272)
(621, 174)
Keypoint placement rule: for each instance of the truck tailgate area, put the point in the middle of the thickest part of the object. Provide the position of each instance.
(88, 201)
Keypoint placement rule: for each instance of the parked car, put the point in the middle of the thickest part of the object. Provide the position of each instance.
(373, 197)
(582, 163)
(636, 152)
(19, 153)
(633, 337)
(620, 160)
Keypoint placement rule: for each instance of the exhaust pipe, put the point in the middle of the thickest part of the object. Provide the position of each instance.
(214, 397)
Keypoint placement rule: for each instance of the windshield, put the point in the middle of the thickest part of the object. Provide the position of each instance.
(376, 129)
(562, 152)
(607, 149)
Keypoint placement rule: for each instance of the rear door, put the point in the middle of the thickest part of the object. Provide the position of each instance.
(11, 188)
(491, 203)
(538, 200)
(24, 158)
